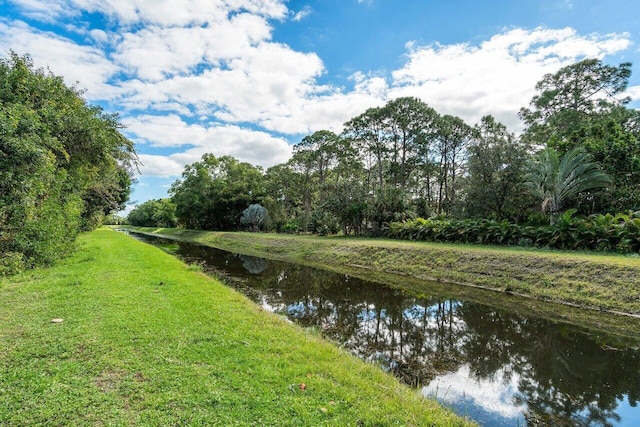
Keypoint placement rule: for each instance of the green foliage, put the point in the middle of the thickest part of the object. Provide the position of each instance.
(347, 201)
(582, 105)
(114, 219)
(607, 233)
(614, 142)
(63, 163)
(571, 98)
(555, 179)
(495, 168)
(11, 263)
(154, 213)
(390, 204)
(403, 159)
(213, 192)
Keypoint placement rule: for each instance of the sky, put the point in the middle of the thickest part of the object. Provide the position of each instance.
(251, 78)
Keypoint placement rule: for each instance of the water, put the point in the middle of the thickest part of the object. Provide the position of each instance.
(497, 366)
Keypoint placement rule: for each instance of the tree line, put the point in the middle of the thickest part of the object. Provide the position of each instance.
(580, 150)
(64, 165)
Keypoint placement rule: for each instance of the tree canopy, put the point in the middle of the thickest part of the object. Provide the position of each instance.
(580, 150)
(63, 164)
(583, 105)
(214, 191)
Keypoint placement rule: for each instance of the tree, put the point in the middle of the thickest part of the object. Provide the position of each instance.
(571, 98)
(347, 202)
(391, 204)
(495, 168)
(556, 179)
(153, 213)
(255, 216)
(614, 142)
(283, 187)
(366, 132)
(307, 181)
(453, 136)
(313, 159)
(63, 163)
(213, 192)
(583, 105)
(410, 127)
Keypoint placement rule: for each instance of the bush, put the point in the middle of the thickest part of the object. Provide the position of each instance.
(63, 165)
(611, 233)
(11, 263)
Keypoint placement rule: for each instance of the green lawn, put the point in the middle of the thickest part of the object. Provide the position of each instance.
(147, 340)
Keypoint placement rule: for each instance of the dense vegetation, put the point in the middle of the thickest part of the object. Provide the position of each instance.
(580, 151)
(63, 165)
(619, 233)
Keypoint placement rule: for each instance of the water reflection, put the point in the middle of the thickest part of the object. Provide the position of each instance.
(497, 366)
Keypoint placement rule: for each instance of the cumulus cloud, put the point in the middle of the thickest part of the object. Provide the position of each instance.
(499, 75)
(194, 140)
(47, 10)
(275, 87)
(160, 12)
(155, 53)
(86, 65)
(495, 396)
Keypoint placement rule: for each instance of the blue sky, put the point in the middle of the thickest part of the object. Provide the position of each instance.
(250, 78)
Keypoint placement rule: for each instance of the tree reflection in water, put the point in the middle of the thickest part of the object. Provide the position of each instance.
(559, 374)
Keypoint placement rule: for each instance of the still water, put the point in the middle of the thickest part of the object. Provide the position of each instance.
(498, 367)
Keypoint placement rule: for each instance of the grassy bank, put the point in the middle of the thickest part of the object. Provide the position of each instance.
(600, 282)
(146, 340)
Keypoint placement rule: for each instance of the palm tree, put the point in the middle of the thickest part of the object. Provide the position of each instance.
(556, 180)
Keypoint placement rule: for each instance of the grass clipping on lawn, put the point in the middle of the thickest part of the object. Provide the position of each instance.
(122, 333)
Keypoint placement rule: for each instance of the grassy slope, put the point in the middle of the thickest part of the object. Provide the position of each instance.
(602, 282)
(146, 340)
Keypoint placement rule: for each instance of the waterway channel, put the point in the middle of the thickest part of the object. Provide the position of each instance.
(497, 366)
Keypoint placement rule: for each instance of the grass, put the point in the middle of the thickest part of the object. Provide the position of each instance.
(148, 340)
(600, 282)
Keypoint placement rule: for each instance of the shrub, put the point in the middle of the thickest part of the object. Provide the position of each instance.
(613, 233)
(11, 263)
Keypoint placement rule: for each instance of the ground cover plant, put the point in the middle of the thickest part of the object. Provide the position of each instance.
(606, 233)
(121, 333)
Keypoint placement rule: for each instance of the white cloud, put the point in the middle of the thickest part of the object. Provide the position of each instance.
(255, 147)
(161, 12)
(45, 10)
(300, 15)
(265, 85)
(155, 52)
(99, 36)
(497, 77)
(86, 65)
(275, 87)
(161, 166)
(215, 63)
(494, 396)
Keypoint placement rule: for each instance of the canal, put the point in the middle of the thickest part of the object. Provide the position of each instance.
(500, 367)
